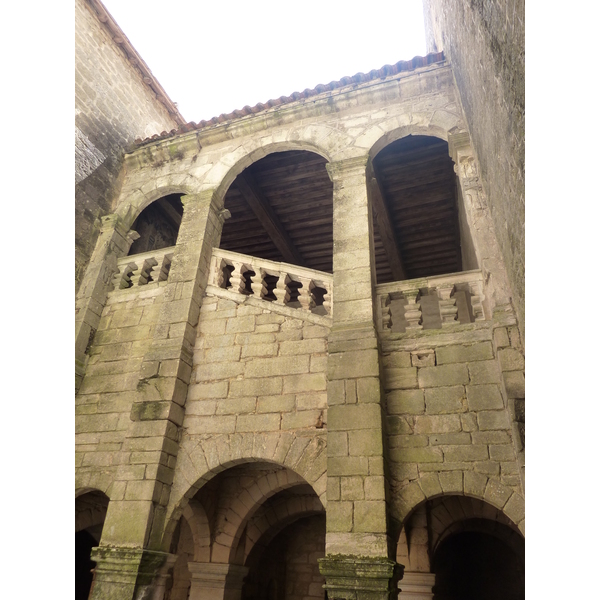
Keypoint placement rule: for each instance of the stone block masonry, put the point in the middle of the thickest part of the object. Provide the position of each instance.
(450, 416)
(114, 106)
(255, 370)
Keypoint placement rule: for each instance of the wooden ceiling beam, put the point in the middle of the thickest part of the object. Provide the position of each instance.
(386, 232)
(268, 219)
(170, 213)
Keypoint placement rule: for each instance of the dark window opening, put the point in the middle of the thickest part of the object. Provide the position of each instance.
(158, 225)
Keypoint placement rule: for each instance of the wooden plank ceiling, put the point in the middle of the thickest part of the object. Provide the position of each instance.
(282, 209)
(417, 181)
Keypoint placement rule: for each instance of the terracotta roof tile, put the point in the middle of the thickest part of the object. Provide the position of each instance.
(385, 71)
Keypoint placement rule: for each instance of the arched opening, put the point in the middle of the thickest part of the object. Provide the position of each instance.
(158, 225)
(90, 513)
(282, 210)
(418, 221)
(461, 548)
(287, 566)
(183, 547)
(243, 522)
(475, 563)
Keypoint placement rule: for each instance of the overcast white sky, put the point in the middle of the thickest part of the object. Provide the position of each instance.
(213, 57)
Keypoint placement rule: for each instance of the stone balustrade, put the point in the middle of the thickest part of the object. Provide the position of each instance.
(141, 269)
(439, 302)
(280, 283)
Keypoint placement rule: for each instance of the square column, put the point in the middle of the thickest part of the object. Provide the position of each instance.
(130, 573)
(214, 581)
(114, 241)
(136, 512)
(356, 489)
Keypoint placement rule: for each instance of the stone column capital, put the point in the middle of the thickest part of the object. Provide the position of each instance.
(459, 142)
(348, 166)
(127, 570)
(360, 577)
(216, 581)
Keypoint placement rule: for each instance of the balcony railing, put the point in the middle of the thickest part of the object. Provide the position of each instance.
(439, 302)
(280, 283)
(141, 269)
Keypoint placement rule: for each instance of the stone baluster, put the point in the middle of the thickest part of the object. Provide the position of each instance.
(118, 280)
(146, 272)
(124, 278)
(412, 310)
(137, 273)
(236, 277)
(318, 292)
(448, 308)
(304, 293)
(327, 304)
(477, 297)
(386, 313)
(257, 283)
(221, 273)
(160, 271)
(281, 291)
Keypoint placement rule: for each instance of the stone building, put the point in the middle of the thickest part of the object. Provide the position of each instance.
(299, 335)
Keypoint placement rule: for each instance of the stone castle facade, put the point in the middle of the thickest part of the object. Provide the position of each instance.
(299, 329)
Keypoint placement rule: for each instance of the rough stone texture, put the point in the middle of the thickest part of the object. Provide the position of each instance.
(484, 41)
(239, 416)
(113, 107)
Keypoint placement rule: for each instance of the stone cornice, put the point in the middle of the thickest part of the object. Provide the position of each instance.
(282, 115)
(359, 81)
(120, 39)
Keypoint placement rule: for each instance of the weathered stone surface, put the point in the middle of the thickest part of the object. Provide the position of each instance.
(445, 400)
(405, 402)
(484, 397)
(444, 375)
(461, 354)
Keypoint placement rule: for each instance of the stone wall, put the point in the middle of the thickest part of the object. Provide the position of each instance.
(207, 379)
(484, 42)
(103, 404)
(113, 107)
(255, 370)
(450, 423)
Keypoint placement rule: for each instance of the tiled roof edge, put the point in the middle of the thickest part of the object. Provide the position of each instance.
(117, 35)
(385, 71)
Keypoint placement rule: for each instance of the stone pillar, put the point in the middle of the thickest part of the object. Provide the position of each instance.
(479, 221)
(214, 581)
(113, 242)
(417, 586)
(356, 497)
(130, 573)
(140, 494)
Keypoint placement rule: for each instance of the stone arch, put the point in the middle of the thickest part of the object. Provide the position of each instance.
(392, 130)
(463, 483)
(87, 481)
(198, 463)
(133, 204)
(256, 149)
(198, 522)
(263, 531)
(244, 507)
(90, 508)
